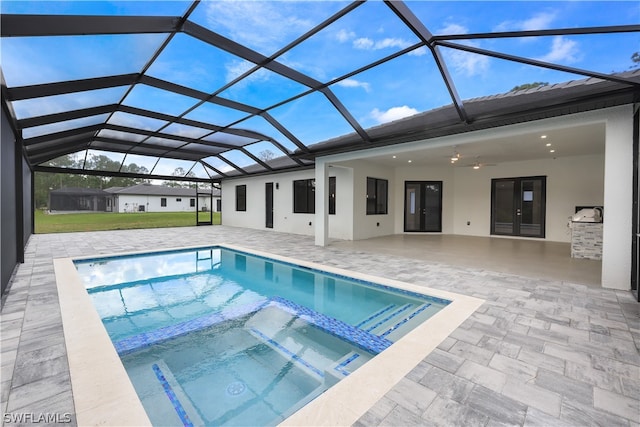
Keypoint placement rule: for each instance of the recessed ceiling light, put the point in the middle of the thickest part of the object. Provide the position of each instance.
(394, 157)
(543, 136)
(552, 151)
(476, 166)
(409, 161)
(548, 144)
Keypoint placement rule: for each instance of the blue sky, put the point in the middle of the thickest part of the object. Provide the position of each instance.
(407, 85)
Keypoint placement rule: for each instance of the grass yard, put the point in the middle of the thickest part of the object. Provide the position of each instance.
(95, 221)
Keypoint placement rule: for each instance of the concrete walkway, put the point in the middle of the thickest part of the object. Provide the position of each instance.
(539, 352)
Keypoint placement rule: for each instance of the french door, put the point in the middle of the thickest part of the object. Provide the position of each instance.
(423, 206)
(268, 206)
(518, 206)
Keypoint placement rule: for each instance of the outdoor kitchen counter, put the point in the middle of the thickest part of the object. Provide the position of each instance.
(586, 240)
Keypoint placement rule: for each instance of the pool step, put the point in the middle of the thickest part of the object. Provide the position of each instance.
(386, 322)
(345, 366)
(287, 353)
(360, 338)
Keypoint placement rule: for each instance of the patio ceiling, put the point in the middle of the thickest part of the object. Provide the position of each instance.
(182, 90)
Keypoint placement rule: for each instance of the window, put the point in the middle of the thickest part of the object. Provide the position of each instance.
(241, 198)
(332, 195)
(163, 202)
(178, 199)
(192, 202)
(377, 190)
(304, 196)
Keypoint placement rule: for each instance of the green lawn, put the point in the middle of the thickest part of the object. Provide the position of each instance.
(94, 221)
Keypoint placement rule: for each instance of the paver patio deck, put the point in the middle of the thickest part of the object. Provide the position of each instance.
(538, 352)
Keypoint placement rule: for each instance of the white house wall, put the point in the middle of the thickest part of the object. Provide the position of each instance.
(284, 220)
(368, 226)
(571, 181)
(152, 203)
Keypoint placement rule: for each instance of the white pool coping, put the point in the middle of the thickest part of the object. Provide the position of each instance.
(103, 394)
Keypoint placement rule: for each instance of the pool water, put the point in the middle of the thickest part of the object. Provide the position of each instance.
(214, 336)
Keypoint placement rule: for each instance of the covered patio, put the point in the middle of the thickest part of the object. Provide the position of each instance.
(531, 258)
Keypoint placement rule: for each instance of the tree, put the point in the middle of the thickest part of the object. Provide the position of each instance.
(179, 172)
(635, 59)
(266, 155)
(529, 86)
(44, 182)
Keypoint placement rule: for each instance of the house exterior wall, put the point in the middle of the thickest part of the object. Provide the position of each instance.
(590, 179)
(368, 226)
(571, 181)
(152, 203)
(284, 220)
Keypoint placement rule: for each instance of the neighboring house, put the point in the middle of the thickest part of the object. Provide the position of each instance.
(137, 198)
(158, 198)
(550, 150)
(79, 199)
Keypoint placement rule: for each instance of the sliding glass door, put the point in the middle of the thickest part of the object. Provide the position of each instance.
(518, 206)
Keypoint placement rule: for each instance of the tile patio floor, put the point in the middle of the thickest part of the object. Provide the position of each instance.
(539, 352)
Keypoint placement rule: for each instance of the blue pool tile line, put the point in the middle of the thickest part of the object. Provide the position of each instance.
(389, 317)
(341, 366)
(288, 352)
(146, 339)
(186, 422)
(363, 339)
(406, 319)
(374, 315)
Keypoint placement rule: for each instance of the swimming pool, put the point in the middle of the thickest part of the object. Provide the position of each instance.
(103, 393)
(214, 336)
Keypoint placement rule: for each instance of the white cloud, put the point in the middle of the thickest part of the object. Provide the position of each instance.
(540, 21)
(394, 113)
(562, 50)
(419, 52)
(264, 26)
(344, 36)
(453, 29)
(238, 67)
(469, 64)
(363, 43)
(355, 83)
(368, 44)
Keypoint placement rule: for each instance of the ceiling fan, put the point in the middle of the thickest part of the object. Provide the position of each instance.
(455, 156)
(477, 164)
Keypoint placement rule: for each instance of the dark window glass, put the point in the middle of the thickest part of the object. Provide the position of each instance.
(192, 202)
(241, 197)
(178, 199)
(304, 196)
(377, 196)
(332, 195)
(163, 202)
